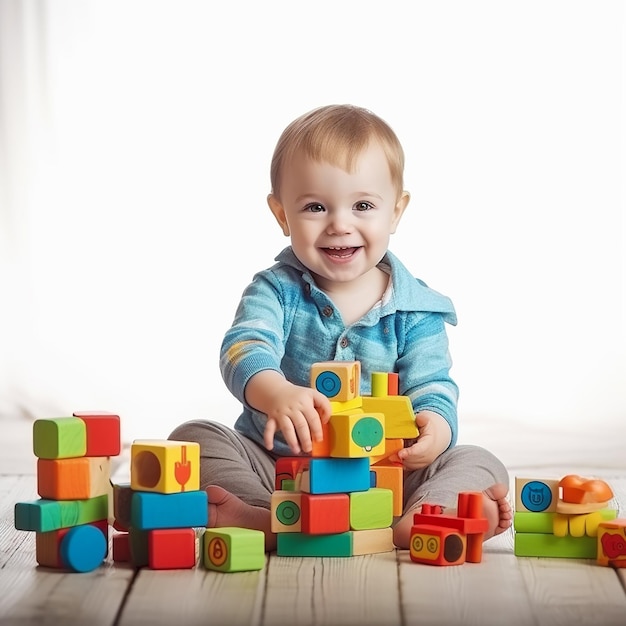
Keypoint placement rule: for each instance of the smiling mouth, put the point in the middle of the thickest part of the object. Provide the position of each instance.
(338, 252)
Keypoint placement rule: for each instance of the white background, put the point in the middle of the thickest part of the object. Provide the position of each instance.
(135, 150)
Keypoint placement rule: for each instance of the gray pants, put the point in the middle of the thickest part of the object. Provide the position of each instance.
(246, 469)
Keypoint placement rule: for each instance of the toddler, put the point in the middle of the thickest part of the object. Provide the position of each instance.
(337, 293)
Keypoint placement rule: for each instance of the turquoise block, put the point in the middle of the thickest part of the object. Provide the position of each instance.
(339, 475)
(45, 515)
(301, 544)
(150, 510)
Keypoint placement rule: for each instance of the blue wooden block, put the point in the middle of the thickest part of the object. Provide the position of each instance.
(339, 475)
(151, 510)
(83, 548)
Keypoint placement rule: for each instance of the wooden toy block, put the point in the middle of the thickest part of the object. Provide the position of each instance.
(45, 515)
(437, 545)
(372, 541)
(325, 514)
(286, 509)
(73, 479)
(120, 543)
(122, 498)
(391, 447)
(391, 477)
(570, 508)
(300, 544)
(398, 412)
(357, 435)
(165, 466)
(48, 545)
(380, 384)
(334, 475)
(138, 543)
(371, 509)
(578, 490)
(393, 384)
(322, 448)
(542, 545)
(349, 405)
(231, 549)
(287, 468)
(525, 522)
(59, 438)
(580, 525)
(611, 543)
(151, 510)
(536, 495)
(172, 548)
(339, 381)
(83, 548)
(103, 432)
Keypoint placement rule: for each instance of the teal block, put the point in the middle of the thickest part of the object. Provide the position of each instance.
(339, 475)
(150, 510)
(45, 515)
(301, 544)
(59, 438)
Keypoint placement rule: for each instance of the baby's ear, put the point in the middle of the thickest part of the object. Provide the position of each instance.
(398, 211)
(279, 213)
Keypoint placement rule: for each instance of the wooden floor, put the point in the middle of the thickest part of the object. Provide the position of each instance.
(382, 590)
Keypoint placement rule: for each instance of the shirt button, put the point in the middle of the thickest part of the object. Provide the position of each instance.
(307, 289)
(327, 311)
(344, 342)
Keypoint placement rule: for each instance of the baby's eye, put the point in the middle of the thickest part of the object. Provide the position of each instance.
(363, 206)
(314, 208)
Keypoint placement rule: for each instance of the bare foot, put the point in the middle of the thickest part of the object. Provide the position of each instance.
(496, 509)
(226, 509)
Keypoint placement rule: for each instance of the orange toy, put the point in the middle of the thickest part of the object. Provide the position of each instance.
(579, 490)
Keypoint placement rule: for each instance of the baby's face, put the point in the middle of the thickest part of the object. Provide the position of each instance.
(339, 222)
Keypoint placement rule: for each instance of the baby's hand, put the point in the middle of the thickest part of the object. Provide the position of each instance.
(434, 438)
(298, 412)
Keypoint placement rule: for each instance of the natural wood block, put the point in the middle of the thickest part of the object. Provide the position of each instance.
(339, 381)
(286, 511)
(372, 541)
(536, 495)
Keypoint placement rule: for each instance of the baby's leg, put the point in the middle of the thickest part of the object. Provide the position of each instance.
(463, 468)
(236, 473)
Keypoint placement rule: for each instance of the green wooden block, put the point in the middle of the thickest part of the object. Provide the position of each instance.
(232, 549)
(544, 545)
(527, 522)
(45, 515)
(300, 544)
(371, 509)
(59, 438)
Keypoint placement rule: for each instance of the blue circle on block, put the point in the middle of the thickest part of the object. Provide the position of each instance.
(328, 383)
(83, 548)
(536, 496)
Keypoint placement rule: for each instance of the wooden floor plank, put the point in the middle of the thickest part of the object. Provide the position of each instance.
(359, 590)
(473, 593)
(195, 596)
(573, 591)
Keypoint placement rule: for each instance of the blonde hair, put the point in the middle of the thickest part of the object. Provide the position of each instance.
(337, 134)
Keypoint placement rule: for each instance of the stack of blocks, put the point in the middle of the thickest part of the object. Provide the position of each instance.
(341, 500)
(70, 520)
(161, 513)
(569, 517)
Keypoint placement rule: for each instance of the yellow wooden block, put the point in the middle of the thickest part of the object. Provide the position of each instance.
(164, 466)
(380, 384)
(398, 412)
(348, 405)
(577, 525)
(286, 511)
(339, 381)
(357, 434)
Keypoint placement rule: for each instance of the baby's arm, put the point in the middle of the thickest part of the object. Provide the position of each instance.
(298, 412)
(434, 438)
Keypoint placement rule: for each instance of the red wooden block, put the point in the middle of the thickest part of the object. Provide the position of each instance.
(325, 514)
(121, 547)
(172, 548)
(393, 383)
(103, 432)
(287, 468)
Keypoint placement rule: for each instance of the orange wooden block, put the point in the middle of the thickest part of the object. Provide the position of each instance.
(78, 478)
(578, 490)
(322, 448)
(391, 477)
(103, 432)
(612, 543)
